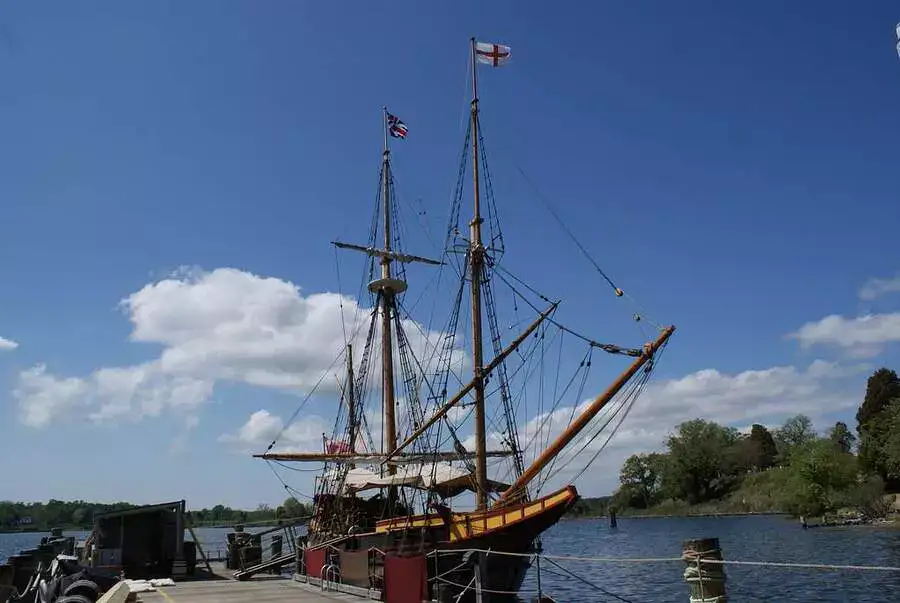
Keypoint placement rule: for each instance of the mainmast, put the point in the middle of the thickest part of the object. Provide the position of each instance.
(476, 265)
(387, 289)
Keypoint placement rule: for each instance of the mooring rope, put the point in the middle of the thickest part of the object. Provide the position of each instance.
(689, 556)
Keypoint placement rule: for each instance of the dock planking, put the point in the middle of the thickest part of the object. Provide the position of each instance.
(258, 590)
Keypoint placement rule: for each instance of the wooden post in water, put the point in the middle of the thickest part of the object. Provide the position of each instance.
(707, 580)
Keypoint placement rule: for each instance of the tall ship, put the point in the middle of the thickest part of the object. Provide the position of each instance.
(429, 463)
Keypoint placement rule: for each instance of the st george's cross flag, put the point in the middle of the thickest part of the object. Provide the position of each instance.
(491, 54)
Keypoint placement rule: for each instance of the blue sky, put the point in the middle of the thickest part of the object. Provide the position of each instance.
(733, 167)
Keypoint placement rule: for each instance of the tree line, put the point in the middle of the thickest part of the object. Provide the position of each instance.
(791, 469)
(79, 514)
(220, 515)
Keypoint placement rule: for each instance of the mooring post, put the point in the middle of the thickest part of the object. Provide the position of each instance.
(704, 571)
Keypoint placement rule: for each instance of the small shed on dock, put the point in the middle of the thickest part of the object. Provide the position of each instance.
(144, 541)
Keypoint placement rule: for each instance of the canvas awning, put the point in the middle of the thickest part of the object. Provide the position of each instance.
(443, 478)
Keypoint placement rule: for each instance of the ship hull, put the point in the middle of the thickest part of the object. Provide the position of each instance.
(501, 575)
(497, 543)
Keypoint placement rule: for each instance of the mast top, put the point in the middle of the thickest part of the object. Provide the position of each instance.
(387, 149)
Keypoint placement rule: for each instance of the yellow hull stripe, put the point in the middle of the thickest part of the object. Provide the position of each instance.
(477, 523)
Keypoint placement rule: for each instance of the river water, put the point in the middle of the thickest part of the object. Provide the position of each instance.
(742, 538)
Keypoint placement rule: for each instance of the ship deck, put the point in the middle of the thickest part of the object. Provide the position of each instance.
(219, 588)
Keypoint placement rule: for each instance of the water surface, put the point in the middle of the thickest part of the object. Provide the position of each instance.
(743, 538)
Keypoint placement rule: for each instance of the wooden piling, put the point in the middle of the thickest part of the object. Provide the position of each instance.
(276, 549)
(707, 580)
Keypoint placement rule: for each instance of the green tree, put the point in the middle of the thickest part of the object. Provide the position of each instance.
(821, 476)
(759, 448)
(641, 479)
(889, 450)
(217, 513)
(590, 507)
(842, 437)
(872, 426)
(794, 434)
(79, 515)
(701, 461)
(294, 508)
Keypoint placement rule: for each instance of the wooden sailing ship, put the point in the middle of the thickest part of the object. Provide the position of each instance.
(410, 517)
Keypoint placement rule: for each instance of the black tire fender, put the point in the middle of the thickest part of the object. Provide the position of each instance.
(85, 588)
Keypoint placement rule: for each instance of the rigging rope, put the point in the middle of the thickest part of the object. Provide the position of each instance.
(586, 364)
(606, 347)
(585, 581)
(625, 400)
(305, 400)
(575, 240)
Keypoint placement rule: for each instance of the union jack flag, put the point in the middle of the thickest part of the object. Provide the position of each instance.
(396, 127)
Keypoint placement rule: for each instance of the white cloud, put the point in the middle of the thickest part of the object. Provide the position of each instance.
(7, 344)
(863, 336)
(108, 393)
(46, 395)
(224, 325)
(876, 287)
(767, 396)
(262, 428)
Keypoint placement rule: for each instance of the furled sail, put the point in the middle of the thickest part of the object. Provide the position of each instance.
(442, 478)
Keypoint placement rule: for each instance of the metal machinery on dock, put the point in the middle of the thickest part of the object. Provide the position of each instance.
(142, 542)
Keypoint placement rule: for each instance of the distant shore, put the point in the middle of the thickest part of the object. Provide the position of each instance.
(702, 514)
(629, 515)
(218, 525)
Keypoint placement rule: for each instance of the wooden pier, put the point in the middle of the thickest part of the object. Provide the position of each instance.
(258, 590)
(219, 587)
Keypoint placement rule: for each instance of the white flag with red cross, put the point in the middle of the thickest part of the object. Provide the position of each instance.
(491, 54)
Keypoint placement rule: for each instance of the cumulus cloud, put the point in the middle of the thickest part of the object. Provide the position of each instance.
(108, 393)
(7, 344)
(863, 336)
(262, 428)
(877, 287)
(45, 395)
(767, 396)
(305, 433)
(224, 325)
